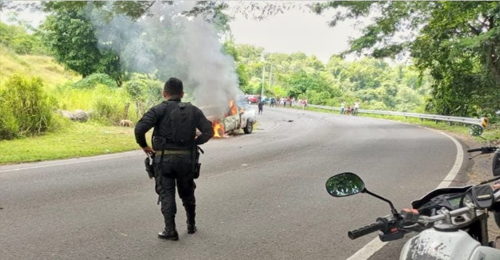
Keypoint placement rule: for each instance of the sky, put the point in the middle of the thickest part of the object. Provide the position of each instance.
(296, 31)
(293, 31)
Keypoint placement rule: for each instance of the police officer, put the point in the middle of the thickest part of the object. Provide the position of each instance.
(174, 141)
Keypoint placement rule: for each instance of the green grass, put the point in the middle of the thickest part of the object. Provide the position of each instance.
(491, 133)
(72, 139)
(77, 140)
(41, 66)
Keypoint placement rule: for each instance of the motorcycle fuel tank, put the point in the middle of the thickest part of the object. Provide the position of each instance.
(455, 245)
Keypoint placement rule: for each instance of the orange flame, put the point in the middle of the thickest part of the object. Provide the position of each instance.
(219, 131)
(234, 109)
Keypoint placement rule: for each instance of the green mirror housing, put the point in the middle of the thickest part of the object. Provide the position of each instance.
(344, 184)
(476, 130)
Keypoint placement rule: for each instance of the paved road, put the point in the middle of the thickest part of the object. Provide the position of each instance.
(260, 196)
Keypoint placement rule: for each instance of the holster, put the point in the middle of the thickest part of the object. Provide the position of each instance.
(150, 166)
(196, 161)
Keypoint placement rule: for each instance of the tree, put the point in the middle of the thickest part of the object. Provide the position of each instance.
(230, 49)
(442, 37)
(71, 37)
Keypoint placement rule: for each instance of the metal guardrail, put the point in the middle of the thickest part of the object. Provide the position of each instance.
(456, 119)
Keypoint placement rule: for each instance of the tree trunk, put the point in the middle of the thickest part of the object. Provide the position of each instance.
(118, 82)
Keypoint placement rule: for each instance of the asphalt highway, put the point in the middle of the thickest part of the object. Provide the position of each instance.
(260, 196)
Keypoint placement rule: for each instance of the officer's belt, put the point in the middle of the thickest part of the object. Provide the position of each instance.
(165, 152)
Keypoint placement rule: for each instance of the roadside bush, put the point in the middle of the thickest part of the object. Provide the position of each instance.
(108, 105)
(70, 98)
(105, 105)
(8, 122)
(95, 79)
(25, 109)
(144, 92)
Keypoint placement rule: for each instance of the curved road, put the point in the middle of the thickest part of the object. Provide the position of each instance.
(260, 196)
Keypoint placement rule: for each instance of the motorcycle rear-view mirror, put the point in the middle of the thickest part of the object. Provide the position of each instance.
(344, 184)
(476, 130)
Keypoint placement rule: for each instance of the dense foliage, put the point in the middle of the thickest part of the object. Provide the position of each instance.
(456, 41)
(375, 83)
(25, 109)
(454, 48)
(71, 36)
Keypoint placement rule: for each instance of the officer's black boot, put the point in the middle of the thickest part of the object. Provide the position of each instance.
(169, 233)
(191, 223)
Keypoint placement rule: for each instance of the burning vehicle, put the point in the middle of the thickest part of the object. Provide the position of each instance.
(239, 115)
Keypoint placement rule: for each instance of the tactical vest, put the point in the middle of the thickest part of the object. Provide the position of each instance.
(176, 127)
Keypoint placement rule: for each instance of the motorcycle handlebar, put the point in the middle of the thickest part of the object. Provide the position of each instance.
(484, 149)
(362, 231)
(382, 223)
(454, 213)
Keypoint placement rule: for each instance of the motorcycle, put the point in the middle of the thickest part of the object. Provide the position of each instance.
(452, 223)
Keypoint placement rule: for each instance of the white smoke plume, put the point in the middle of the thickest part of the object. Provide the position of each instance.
(172, 45)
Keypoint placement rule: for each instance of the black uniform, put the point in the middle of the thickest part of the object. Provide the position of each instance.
(177, 162)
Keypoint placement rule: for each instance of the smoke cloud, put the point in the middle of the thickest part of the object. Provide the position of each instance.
(171, 45)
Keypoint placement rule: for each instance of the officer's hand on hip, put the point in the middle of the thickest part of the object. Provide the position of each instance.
(148, 150)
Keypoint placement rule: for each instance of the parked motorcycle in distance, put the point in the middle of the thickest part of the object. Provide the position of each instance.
(452, 222)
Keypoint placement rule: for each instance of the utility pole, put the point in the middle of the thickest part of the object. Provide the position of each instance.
(271, 76)
(263, 75)
(263, 81)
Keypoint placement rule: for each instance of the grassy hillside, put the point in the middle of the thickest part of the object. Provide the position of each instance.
(69, 139)
(42, 66)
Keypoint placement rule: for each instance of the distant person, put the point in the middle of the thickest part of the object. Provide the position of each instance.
(174, 142)
(356, 108)
(342, 108)
(261, 107)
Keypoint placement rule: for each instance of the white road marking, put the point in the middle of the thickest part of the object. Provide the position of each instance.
(375, 245)
(368, 250)
(71, 161)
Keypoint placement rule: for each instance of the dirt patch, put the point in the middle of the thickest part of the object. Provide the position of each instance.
(479, 169)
